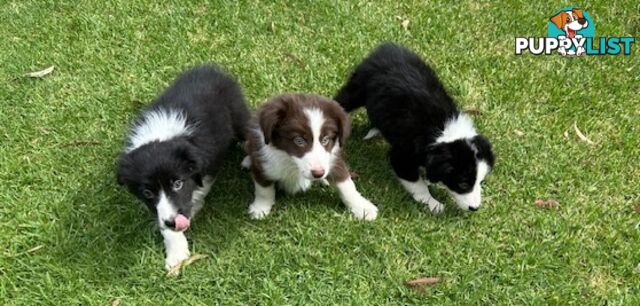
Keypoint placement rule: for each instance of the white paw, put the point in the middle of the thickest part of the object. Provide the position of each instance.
(372, 133)
(363, 209)
(434, 206)
(258, 211)
(246, 162)
(175, 257)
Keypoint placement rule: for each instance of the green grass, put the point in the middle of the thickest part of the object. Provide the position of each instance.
(60, 136)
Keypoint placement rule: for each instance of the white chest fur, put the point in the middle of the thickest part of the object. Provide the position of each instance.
(278, 166)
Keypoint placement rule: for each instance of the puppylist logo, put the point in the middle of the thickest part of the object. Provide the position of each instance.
(571, 32)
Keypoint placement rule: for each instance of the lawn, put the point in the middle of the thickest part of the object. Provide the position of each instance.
(71, 235)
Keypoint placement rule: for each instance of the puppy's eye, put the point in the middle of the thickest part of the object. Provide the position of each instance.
(177, 185)
(148, 194)
(325, 140)
(299, 141)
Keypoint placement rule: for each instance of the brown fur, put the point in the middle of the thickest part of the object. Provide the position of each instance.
(339, 172)
(282, 118)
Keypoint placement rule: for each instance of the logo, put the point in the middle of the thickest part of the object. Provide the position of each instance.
(571, 32)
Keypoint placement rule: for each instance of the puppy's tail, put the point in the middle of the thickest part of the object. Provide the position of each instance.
(350, 97)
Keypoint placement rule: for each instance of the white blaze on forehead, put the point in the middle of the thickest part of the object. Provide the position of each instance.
(459, 127)
(165, 209)
(317, 157)
(158, 125)
(316, 120)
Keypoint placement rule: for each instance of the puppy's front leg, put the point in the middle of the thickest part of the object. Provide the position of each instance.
(360, 207)
(176, 247)
(420, 192)
(406, 166)
(265, 197)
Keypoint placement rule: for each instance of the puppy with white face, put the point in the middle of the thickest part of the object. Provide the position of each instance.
(297, 141)
(410, 107)
(176, 147)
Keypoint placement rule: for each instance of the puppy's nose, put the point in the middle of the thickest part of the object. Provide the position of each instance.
(582, 20)
(170, 223)
(317, 173)
(473, 208)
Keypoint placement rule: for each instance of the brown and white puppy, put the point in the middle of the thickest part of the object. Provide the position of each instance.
(298, 140)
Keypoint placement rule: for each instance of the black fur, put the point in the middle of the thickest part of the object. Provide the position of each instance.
(408, 104)
(215, 108)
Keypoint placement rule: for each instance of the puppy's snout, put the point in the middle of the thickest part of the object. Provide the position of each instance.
(471, 208)
(178, 223)
(170, 223)
(582, 21)
(317, 172)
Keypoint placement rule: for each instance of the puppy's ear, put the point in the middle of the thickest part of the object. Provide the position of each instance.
(578, 13)
(484, 149)
(560, 20)
(194, 159)
(438, 162)
(344, 124)
(270, 115)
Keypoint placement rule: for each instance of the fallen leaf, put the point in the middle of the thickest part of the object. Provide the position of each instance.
(519, 132)
(33, 249)
(193, 258)
(424, 281)
(354, 175)
(175, 270)
(547, 203)
(41, 73)
(580, 135)
(637, 207)
(116, 302)
(473, 111)
(405, 24)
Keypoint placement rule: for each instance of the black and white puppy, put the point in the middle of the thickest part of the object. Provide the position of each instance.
(409, 106)
(176, 147)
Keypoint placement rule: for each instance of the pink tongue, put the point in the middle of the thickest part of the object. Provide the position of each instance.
(182, 223)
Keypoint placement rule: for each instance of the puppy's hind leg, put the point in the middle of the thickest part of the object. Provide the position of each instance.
(373, 132)
(265, 197)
